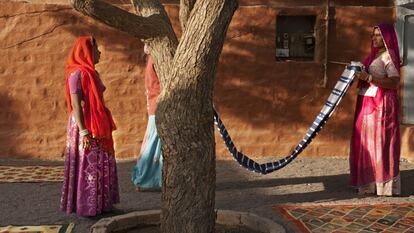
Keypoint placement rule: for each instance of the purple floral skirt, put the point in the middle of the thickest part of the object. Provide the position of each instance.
(90, 184)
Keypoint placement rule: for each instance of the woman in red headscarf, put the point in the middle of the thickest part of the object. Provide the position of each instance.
(90, 184)
(375, 144)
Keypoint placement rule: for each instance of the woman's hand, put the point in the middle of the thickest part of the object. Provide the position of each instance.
(364, 76)
(86, 142)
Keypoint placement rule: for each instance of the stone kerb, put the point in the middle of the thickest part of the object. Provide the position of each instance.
(152, 218)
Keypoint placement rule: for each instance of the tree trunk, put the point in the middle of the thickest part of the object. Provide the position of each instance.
(185, 121)
(185, 108)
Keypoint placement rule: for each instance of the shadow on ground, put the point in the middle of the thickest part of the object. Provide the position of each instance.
(306, 180)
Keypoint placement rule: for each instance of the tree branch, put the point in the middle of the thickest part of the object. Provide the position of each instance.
(186, 6)
(162, 47)
(140, 27)
(151, 24)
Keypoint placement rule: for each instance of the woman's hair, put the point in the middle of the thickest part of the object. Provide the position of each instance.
(93, 41)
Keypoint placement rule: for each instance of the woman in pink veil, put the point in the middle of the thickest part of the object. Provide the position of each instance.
(375, 143)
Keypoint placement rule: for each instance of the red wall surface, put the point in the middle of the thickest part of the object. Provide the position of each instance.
(266, 105)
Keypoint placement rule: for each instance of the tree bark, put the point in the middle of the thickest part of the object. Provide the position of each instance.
(186, 6)
(163, 47)
(185, 121)
(140, 27)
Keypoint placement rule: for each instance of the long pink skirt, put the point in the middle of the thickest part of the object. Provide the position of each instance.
(375, 145)
(90, 184)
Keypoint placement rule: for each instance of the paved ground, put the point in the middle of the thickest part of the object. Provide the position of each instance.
(306, 180)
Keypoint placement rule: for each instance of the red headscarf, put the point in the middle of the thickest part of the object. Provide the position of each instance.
(98, 119)
(389, 36)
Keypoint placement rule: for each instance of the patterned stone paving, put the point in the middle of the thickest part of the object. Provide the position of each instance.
(65, 228)
(14, 174)
(385, 218)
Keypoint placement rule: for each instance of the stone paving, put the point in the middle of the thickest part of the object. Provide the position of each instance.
(386, 218)
(305, 181)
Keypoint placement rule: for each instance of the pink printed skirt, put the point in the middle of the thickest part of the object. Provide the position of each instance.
(375, 146)
(90, 185)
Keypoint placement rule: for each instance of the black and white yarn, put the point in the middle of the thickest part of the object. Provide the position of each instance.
(334, 98)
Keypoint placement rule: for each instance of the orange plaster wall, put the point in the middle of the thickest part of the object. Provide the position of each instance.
(34, 42)
(266, 105)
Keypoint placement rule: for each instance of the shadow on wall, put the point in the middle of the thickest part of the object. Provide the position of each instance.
(9, 128)
(122, 47)
(129, 50)
(255, 89)
(35, 46)
(248, 67)
(251, 87)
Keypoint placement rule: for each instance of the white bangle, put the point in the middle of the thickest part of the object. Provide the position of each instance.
(83, 132)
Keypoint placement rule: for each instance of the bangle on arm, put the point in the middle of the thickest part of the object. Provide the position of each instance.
(83, 133)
